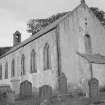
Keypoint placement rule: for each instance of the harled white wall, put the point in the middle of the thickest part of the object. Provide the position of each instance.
(72, 31)
(40, 78)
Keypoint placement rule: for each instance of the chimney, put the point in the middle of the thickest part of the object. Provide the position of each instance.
(16, 38)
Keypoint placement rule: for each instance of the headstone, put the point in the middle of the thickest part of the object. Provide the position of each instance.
(85, 87)
(6, 94)
(45, 92)
(26, 88)
(62, 84)
(10, 97)
(93, 87)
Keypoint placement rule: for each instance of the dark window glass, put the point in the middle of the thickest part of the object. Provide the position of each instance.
(13, 68)
(0, 72)
(23, 65)
(46, 57)
(6, 70)
(33, 62)
(88, 46)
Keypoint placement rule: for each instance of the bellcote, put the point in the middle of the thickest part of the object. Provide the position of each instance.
(16, 38)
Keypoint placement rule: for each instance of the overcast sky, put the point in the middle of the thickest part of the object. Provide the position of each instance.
(14, 14)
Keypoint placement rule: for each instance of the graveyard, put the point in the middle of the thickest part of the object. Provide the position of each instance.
(73, 98)
(94, 95)
(59, 65)
(64, 97)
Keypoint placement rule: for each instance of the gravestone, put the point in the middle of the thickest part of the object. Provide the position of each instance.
(26, 88)
(93, 87)
(85, 87)
(62, 84)
(6, 94)
(45, 92)
(10, 97)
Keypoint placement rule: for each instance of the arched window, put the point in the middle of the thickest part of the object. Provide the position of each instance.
(88, 46)
(23, 65)
(6, 70)
(33, 62)
(13, 68)
(0, 71)
(46, 57)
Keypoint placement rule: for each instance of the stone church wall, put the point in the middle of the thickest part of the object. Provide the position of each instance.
(72, 30)
(48, 77)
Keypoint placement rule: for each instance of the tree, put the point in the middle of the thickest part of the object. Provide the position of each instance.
(35, 25)
(100, 14)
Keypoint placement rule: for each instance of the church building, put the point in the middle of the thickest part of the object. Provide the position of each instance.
(44, 57)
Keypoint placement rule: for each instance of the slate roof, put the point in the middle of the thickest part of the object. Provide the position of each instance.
(93, 58)
(4, 50)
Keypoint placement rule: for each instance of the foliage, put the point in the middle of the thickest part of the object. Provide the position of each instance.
(100, 14)
(35, 25)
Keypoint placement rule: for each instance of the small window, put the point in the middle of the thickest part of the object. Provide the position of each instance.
(33, 62)
(46, 57)
(88, 46)
(6, 70)
(13, 68)
(0, 71)
(23, 65)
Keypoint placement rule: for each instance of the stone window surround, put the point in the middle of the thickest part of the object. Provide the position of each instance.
(33, 65)
(46, 57)
(23, 72)
(6, 70)
(0, 71)
(13, 68)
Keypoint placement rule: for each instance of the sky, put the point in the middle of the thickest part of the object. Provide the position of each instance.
(14, 14)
